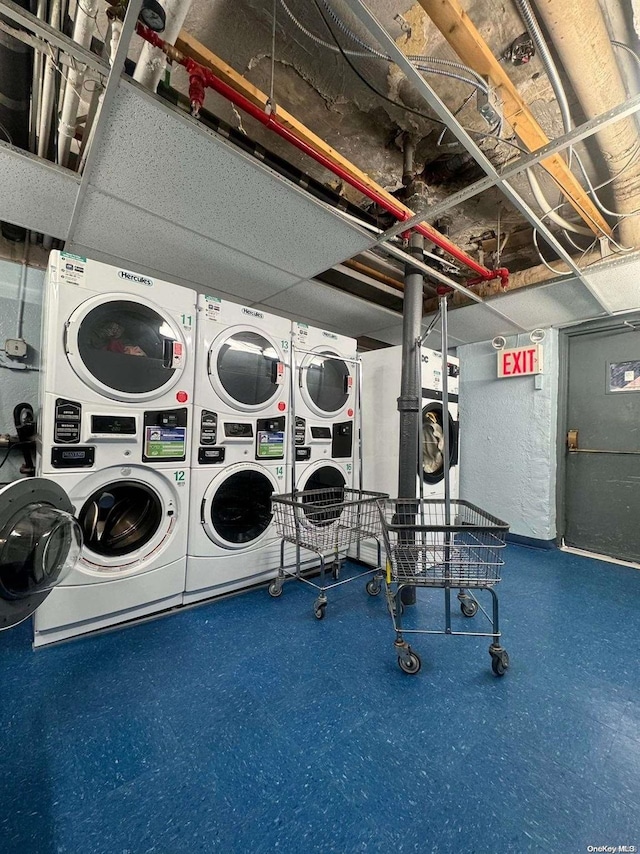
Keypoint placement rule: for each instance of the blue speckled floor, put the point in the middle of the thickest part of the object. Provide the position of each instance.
(248, 726)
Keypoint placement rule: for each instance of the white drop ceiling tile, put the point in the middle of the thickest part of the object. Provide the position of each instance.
(554, 304)
(111, 226)
(36, 194)
(294, 315)
(352, 315)
(168, 164)
(476, 323)
(618, 284)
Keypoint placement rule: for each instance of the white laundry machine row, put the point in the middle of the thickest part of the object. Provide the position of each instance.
(324, 404)
(134, 523)
(117, 364)
(381, 378)
(240, 448)
(114, 431)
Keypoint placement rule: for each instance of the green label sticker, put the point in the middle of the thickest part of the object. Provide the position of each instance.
(270, 445)
(165, 442)
(73, 257)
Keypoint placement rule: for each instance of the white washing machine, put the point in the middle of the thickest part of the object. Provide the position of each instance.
(381, 379)
(325, 385)
(240, 447)
(117, 351)
(134, 525)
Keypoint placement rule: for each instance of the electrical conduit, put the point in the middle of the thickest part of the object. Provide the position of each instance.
(201, 78)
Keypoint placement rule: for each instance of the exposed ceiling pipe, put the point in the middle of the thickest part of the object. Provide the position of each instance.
(36, 84)
(49, 85)
(200, 78)
(152, 61)
(533, 28)
(580, 36)
(83, 28)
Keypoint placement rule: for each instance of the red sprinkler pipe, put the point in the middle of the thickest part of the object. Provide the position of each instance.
(201, 78)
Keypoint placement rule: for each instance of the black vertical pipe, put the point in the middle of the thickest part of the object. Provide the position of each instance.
(410, 390)
(16, 61)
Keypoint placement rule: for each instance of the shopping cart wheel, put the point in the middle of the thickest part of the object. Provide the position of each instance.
(410, 662)
(319, 611)
(373, 587)
(335, 570)
(275, 589)
(469, 608)
(499, 661)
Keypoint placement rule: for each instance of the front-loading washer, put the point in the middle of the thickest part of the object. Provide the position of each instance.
(233, 542)
(240, 446)
(325, 374)
(134, 522)
(381, 379)
(114, 342)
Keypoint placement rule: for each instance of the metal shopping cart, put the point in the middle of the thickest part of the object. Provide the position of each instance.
(326, 522)
(447, 544)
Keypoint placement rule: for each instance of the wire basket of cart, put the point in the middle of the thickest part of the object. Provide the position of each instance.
(326, 522)
(456, 547)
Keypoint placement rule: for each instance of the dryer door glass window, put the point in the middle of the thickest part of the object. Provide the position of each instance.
(120, 518)
(433, 443)
(241, 507)
(129, 347)
(38, 547)
(247, 367)
(323, 496)
(328, 383)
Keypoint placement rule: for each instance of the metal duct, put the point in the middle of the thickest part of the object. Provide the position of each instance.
(581, 39)
(15, 91)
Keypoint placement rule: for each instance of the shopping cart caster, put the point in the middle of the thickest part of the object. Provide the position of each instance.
(335, 570)
(469, 608)
(319, 607)
(409, 661)
(499, 660)
(373, 586)
(275, 589)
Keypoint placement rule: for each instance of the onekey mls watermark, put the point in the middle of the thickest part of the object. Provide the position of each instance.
(612, 849)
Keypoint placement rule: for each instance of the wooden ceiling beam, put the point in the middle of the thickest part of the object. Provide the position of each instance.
(465, 39)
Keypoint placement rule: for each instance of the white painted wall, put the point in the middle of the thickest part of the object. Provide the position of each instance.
(18, 386)
(508, 436)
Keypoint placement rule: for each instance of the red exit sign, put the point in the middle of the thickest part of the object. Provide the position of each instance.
(520, 361)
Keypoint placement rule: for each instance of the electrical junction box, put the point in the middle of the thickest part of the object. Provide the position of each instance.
(15, 348)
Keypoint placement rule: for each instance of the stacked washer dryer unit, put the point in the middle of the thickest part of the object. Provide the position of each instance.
(116, 386)
(240, 447)
(381, 377)
(325, 382)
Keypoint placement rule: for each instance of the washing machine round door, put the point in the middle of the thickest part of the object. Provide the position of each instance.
(433, 443)
(40, 542)
(326, 382)
(125, 349)
(236, 508)
(120, 518)
(323, 495)
(246, 368)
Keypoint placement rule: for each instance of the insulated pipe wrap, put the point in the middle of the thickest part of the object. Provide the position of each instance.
(580, 36)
